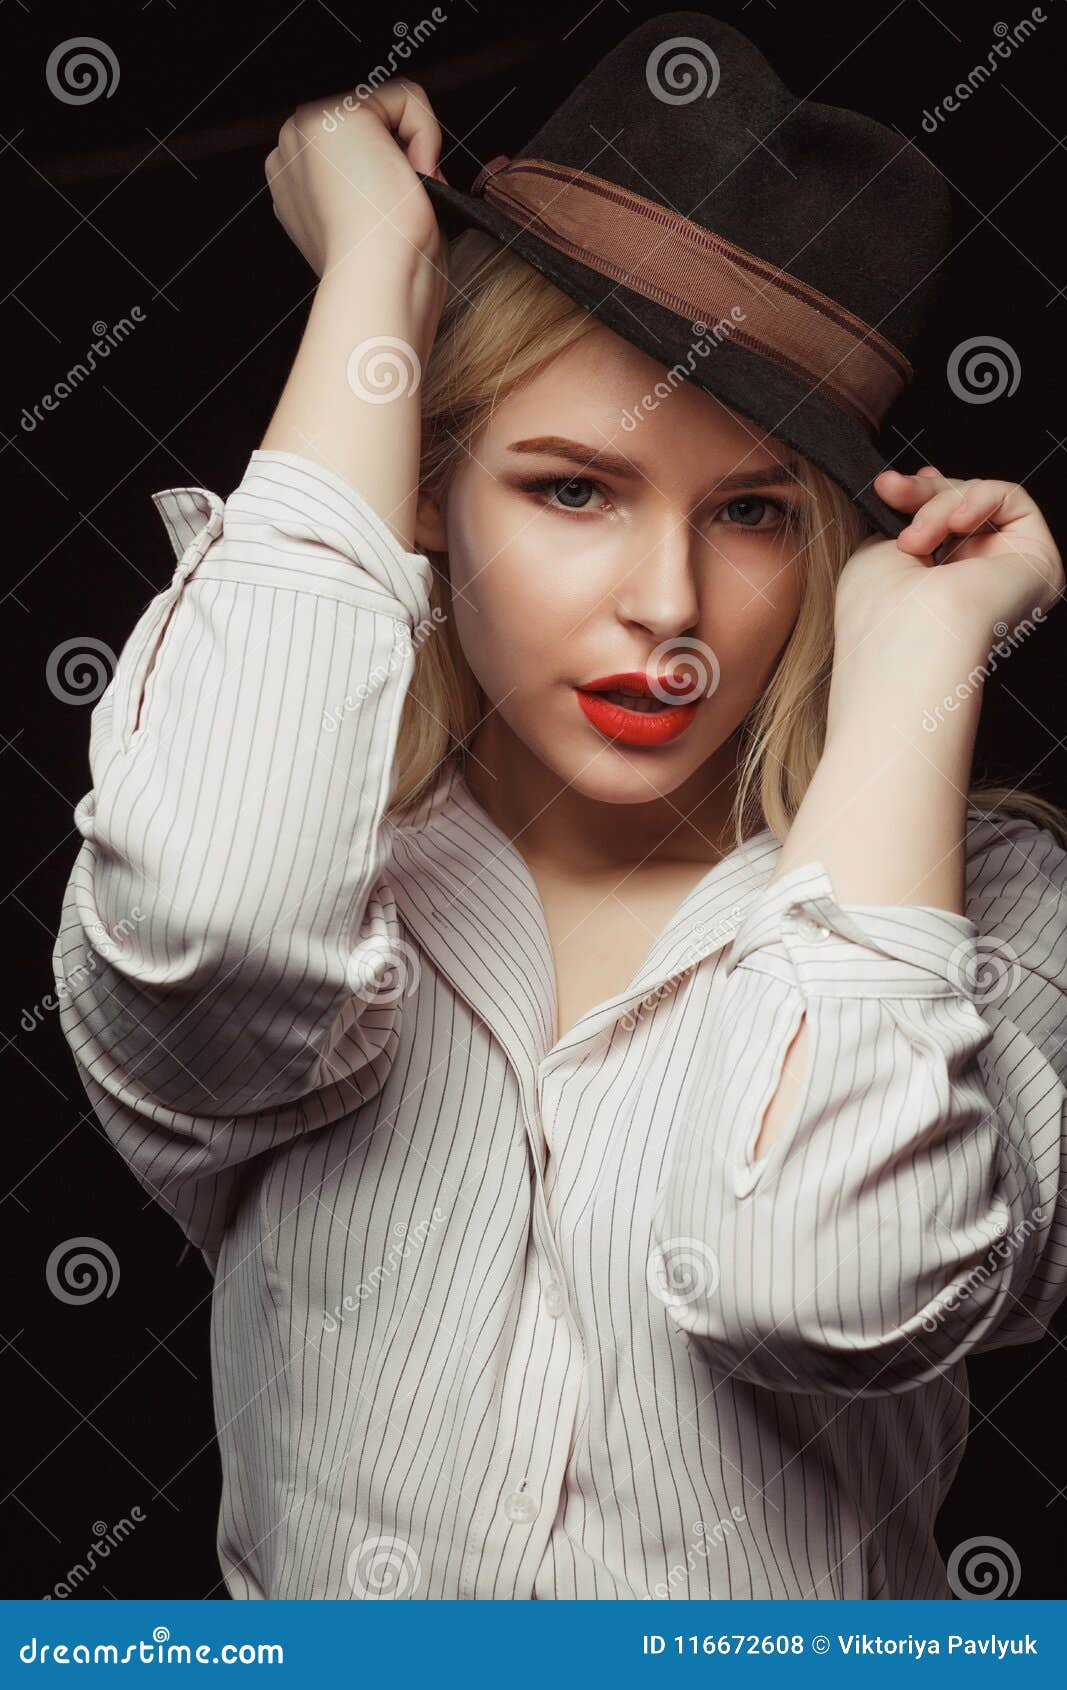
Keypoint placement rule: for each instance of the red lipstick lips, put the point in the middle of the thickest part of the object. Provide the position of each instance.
(637, 723)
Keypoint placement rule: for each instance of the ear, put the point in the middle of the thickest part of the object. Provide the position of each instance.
(430, 532)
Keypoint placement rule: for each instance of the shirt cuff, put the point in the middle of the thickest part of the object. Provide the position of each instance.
(796, 929)
(296, 523)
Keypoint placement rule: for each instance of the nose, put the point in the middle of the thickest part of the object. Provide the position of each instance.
(657, 589)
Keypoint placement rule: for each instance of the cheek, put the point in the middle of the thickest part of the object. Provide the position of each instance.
(747, 614)
(521, 590)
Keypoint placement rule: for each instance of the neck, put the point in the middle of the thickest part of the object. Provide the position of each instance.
(551, 821)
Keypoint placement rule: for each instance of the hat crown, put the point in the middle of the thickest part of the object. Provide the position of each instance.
(687, 111)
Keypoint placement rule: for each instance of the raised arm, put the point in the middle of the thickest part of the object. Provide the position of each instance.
(227, 945)
(881, 1180)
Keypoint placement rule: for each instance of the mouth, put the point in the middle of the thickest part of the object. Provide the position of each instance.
(634, 688)
(636, 709)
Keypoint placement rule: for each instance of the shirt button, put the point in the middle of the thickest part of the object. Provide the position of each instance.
(806, 928)
(520, 1506)
(553, 1299)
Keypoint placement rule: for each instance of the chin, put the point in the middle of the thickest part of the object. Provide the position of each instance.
(623, 776)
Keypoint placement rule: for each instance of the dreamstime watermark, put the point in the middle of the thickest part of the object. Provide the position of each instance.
(683, 654)
(82, 1270)
(407, 1238)
(681, 70)
(984, 969)
(102, 940)
(1007, 40)
(707, 1540)
(401, 50)
(107, 338)
(682, 1270)
(78, 671)
(702, 941)
(982, 369)
(382, 369)
(105, 1539)
(983, 1569)
(157, 1651)
(385, 972)
(656, 996)
(405, 640)
(1000, 1251)
(383, 1569)
(81, 70)
(707, 340)
(976, 677)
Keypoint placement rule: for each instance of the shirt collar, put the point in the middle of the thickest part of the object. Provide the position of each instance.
(467, 894)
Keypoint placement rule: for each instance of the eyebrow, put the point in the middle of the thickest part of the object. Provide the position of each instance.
(611, 463)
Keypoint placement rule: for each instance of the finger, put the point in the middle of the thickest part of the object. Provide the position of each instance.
(995, 502)
(984, 506)
(909, 492)
(933, 521)
(410, 117)
(913, 494)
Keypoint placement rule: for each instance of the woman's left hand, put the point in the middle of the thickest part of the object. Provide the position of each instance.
(979, 551)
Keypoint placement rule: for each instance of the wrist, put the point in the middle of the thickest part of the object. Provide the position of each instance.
(393, 279)
(911, 662)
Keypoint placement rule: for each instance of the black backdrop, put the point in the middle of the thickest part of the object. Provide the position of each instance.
(153, 196)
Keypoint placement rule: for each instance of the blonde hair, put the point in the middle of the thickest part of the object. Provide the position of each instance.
(503, 320)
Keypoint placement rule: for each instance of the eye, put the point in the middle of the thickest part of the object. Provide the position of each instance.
(571, 487)
(748, 512)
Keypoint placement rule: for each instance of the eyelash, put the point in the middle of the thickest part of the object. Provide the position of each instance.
(788, 512)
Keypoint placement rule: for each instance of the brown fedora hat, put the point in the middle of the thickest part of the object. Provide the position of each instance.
(781, 254)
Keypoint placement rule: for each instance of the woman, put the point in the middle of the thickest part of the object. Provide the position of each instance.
(610, 1125)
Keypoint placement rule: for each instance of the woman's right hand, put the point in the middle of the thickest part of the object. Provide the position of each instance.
(340, 174)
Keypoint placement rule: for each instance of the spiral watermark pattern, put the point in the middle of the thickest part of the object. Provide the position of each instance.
(681, 70)
(82, 70)
(387, 971)
(383, 1569)
(984, 971)
(682, 1270)
(982, 369)
(79, 670)
(82, 1270)
(692, 654)
(382, 369)
(983, 1569)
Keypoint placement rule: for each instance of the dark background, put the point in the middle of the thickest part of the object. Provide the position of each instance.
(155, 197)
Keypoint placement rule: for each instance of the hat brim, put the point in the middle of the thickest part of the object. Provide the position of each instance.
(778, 403)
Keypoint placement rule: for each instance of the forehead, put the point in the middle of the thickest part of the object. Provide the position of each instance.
(603, 391)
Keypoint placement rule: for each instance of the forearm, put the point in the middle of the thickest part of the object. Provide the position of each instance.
(886, 808)
(369, 334)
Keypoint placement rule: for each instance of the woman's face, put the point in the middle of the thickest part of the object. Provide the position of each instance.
(625, 552)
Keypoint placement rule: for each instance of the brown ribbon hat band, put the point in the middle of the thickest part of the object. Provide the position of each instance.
(688, 269)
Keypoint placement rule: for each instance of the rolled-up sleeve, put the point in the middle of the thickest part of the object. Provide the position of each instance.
(228, 946)
(914, 1206)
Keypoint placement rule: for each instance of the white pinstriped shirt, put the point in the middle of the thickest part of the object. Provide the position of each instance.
(500, 1318)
